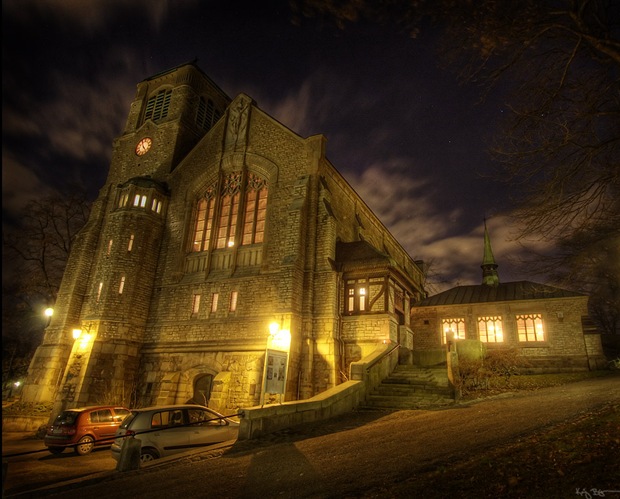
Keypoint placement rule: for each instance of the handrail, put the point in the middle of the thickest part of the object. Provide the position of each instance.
(378, 359)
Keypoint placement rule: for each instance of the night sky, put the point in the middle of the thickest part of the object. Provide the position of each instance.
(402, 131)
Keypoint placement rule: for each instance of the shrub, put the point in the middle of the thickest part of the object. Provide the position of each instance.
(480, 374)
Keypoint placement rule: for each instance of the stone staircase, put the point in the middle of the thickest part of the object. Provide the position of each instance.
(412, 387)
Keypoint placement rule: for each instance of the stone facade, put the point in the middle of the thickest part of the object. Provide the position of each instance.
(228, 222)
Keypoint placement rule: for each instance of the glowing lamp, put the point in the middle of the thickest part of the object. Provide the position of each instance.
(76, 333)
(49, 311)
(281, 340)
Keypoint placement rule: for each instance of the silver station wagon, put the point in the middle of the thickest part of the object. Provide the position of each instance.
(167, 430)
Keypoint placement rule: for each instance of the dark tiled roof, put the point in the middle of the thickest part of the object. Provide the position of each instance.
(360, 254)
(519, 290)
(147, 182)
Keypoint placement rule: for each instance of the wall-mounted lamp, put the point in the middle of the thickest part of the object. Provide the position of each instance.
(77, 333)
(49, 311)
(279, 339)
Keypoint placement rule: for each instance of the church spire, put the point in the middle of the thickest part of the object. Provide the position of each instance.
(489, 267)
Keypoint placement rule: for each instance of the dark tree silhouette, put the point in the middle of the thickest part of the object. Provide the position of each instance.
(557, 62)
(35, 254)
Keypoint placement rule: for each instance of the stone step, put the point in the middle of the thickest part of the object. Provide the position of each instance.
(411, 391)
(409, 387)
(383, 402)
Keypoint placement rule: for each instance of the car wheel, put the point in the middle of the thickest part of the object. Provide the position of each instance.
(84, 445)
(56, 450)
(148, 455)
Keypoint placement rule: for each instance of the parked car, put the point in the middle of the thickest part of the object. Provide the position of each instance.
(166, 430)
(84, 428)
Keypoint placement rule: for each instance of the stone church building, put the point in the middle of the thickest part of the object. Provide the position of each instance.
(219, 232)
(216, 222)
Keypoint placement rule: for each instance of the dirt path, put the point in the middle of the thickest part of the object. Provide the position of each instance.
(371, 454)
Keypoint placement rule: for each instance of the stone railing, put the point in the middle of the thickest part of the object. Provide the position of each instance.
(364, 376)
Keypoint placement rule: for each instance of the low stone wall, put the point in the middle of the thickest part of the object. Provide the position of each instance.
(23, 423)
(364, 376)
(258, 421)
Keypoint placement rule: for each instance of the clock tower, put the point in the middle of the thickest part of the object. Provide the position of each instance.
(109, 279)
(171, 112)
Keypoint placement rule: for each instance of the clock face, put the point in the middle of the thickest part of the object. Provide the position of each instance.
(143, 146)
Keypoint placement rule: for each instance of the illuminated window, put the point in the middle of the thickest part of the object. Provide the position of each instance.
(231, 202)
(99, 291)
(109, 247)
(130, 244)
(121, 286)
(156, 206)
(123, 200)
(456, 325)
(255, 210)
(214, 299)
(490, 329)
(229, 210)
(357, 293)
(157, 106)
(204, 221)
(530, 327)
(139, 200)
(233, 301)
(195, 304)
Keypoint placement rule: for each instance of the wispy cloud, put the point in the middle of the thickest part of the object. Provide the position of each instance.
(19, 185)
(93, 15)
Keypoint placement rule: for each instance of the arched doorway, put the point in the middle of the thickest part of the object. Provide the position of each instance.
(202, 389)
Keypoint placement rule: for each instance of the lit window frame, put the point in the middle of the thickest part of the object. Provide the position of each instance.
(530, 328)
(234, 297)
(195, 303)
(356, 296)
(494, 334)
(230, 213)
(454, 324)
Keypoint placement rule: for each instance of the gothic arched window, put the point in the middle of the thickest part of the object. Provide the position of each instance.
(240, 203)
(204, 221)
(255, 210)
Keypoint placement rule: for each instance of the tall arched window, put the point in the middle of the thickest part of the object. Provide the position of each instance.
(236, 197)
(229, 211)
(204, 220)
(255, 210)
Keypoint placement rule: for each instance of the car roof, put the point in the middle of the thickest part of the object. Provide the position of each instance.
(94, 407)
(172, 407)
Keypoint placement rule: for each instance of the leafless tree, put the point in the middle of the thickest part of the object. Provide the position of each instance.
(35, 253)
(557, 64)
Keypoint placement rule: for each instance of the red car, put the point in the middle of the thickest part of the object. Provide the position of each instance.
(84, 428)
